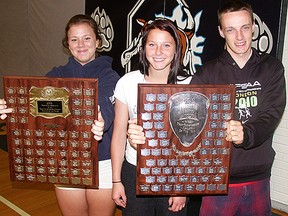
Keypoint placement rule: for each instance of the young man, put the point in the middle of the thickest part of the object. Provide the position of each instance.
(260, 102)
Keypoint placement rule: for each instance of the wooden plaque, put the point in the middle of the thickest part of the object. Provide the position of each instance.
(49, 132)
(185, 151)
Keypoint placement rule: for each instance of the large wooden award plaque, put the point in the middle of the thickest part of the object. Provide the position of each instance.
(49, 133)
(185, 150)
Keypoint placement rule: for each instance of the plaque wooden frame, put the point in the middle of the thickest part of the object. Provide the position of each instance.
(174, 160)
(49, 132)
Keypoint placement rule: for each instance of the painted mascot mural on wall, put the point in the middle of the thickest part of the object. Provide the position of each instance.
(197, 24)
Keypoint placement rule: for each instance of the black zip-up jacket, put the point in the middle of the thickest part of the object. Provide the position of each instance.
(259, 105)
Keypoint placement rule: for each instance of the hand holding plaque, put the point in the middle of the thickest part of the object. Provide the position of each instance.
(185, 151)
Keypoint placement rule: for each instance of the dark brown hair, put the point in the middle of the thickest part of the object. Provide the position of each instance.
(80, 19)
(176, 68)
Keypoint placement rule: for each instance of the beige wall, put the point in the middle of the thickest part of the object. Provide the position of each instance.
(30, 35)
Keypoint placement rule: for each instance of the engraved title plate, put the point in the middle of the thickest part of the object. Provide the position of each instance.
(49, 132)
(185, 151)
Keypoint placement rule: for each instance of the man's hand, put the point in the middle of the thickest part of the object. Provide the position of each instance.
(234, 132)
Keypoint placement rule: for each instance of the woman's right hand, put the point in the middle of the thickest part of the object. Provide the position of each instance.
(118, 194)
(135, 134)
(4, 110)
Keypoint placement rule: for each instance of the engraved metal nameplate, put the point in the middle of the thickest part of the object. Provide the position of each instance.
(49, 102)
(49, 132)
(185, 150)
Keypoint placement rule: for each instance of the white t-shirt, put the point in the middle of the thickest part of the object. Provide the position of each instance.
(126, 91)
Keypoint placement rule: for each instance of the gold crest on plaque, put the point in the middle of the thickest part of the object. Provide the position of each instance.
(49, 102)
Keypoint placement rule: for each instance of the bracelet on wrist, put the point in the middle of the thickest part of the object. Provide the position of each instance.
(118, 181)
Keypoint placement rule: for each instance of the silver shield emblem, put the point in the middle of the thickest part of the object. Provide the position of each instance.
(188, 112)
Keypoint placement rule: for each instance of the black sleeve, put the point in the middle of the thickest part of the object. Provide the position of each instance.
(272, 105)
(200, 77)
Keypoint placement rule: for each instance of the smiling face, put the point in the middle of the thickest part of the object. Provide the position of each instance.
(160, 49)
(82, 43)
(237, 28)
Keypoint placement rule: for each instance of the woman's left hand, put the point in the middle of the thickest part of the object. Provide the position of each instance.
(176, 203)
(98, 126)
